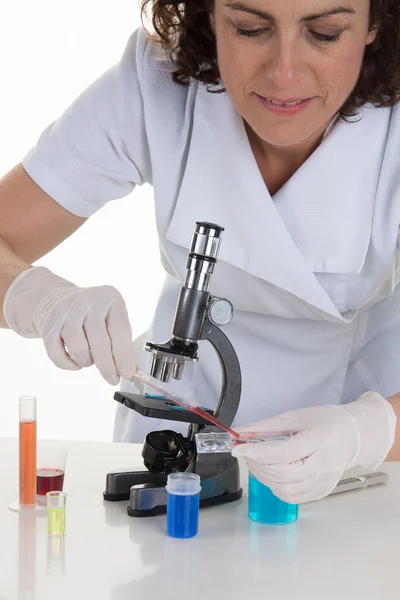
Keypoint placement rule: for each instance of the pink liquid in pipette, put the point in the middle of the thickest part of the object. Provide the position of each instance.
(202, 413)
(194, 409)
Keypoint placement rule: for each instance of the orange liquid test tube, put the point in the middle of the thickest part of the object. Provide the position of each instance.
(27, 451)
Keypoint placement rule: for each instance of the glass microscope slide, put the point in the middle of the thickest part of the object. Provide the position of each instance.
(180, 400)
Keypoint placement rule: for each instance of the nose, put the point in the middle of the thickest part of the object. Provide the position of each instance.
(285, 64)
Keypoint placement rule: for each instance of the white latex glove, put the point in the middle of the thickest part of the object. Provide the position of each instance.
(328, 440)
(79, 326)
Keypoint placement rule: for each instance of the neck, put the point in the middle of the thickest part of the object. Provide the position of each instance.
(278, 163)
(298, 153)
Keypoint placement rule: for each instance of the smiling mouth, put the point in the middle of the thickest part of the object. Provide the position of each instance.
(291, 102)
(287, 107)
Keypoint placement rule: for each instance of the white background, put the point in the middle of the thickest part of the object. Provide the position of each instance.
(49, 53)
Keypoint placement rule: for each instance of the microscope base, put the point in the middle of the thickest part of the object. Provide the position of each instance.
(220, 483)
(119, 483)
(204, 503)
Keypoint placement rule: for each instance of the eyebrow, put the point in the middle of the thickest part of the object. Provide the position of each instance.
(259, 13)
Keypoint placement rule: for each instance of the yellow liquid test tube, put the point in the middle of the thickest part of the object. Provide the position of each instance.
(56, 502)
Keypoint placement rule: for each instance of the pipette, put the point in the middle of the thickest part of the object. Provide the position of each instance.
(180, 400)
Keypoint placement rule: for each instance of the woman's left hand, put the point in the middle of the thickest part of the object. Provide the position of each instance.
(327, 440)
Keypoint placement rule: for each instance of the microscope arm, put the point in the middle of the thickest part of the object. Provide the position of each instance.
(231, 385)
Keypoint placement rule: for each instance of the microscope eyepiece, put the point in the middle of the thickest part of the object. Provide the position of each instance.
(209, 226)
(202, 256)
(206, 240)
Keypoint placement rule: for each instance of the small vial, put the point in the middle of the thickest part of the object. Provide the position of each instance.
(56, 502)
(265, 507)
(183, 502)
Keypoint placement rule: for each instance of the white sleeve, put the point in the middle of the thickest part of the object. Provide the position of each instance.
(97, 149)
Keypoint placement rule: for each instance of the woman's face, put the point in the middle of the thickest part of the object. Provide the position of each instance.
(289, 65)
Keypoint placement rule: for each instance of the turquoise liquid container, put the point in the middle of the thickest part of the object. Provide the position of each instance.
(265, 507)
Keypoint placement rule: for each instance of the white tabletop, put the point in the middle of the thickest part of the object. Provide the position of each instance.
(345, 546)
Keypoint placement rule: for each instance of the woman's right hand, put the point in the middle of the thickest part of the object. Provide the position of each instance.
(79, 326)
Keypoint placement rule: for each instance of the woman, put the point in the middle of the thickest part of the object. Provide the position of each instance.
(278, 120)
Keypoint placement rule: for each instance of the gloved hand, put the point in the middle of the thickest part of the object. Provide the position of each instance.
(327, 441)
(79, 326)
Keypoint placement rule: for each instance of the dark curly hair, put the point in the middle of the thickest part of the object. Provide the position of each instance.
(183, 28)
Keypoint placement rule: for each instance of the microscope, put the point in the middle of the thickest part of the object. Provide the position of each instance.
(198, 316)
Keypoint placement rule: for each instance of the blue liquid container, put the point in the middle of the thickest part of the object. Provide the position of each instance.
(183, 503)
(265, 507)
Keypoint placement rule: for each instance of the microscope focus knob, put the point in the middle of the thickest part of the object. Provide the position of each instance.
(220, 311)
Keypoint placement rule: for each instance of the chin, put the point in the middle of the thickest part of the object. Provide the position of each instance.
(283, 140)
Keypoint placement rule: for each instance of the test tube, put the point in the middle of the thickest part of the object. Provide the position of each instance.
(56, 502)
(183, 502)
(27, 451)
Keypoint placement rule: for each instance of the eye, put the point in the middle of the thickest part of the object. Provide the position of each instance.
(321, 37)
(250, 32)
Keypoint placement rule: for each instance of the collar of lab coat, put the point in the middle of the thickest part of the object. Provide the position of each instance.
(319, 221)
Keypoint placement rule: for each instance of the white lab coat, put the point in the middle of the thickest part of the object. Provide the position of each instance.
(312, 272)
